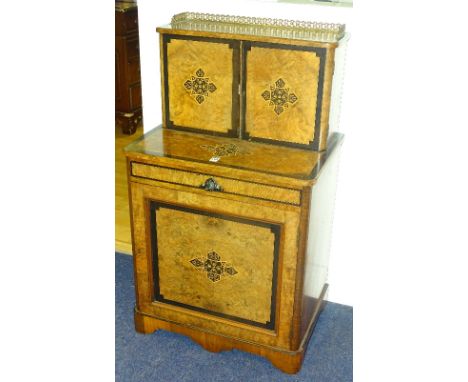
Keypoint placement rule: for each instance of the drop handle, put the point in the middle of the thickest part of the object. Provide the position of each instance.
(211, 185)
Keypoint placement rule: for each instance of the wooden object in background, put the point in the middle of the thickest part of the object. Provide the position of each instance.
(230, 251)
(127, 67)
(123, 236)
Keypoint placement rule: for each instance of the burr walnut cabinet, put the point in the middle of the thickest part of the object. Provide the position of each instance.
(232, 197)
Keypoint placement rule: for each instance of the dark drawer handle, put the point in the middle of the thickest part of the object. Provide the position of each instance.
(211, 185)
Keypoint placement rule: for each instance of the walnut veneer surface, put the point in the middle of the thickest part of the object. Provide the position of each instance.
(191, 63)
(296, 75)
(256, 158)
(250, 279)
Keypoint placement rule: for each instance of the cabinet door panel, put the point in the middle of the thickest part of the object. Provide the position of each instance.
(201, 84)
(284, 86)
(217, 264)
(214, 263)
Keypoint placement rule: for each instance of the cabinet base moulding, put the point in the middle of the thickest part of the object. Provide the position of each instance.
(286, 360)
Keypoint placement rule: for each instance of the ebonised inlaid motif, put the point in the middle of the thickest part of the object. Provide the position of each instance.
(213, 266)
(200, 86)
(279, 96)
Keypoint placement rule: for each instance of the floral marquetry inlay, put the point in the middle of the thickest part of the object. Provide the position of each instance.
(279, 96)
(213, 266)
(200, 86)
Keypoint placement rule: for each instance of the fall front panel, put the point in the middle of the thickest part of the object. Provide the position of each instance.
(217, 264)
(283, 93)
(201, 84)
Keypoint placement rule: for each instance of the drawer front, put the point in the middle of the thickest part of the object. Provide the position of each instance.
(134, 70)
(133, 48)
(131, 21)
(227, 185)
(126, 22)
(135, 96)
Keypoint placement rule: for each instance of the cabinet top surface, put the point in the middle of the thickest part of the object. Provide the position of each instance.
(254, 26)
(229, 152)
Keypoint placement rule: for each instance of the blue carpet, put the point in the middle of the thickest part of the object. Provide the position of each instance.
(169, 357)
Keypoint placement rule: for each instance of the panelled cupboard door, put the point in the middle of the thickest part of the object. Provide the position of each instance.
(284, 91)
(201, 84)
(215, 264)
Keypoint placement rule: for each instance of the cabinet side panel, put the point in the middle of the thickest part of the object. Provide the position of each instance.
(337, 86)
(322, 143)
(319, 238)
(165, 117)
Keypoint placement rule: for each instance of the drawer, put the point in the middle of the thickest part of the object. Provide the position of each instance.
(126, 22)
(135, 96)
(133, 48)
(134, 70)
(216, 183)
(131, 21)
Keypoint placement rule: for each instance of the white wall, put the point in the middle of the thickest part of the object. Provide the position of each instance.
(155, 13)
(400, 248)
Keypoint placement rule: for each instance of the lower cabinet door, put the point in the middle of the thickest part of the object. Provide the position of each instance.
(215, 263)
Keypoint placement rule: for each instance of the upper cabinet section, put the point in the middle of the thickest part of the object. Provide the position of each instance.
(256, 79)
